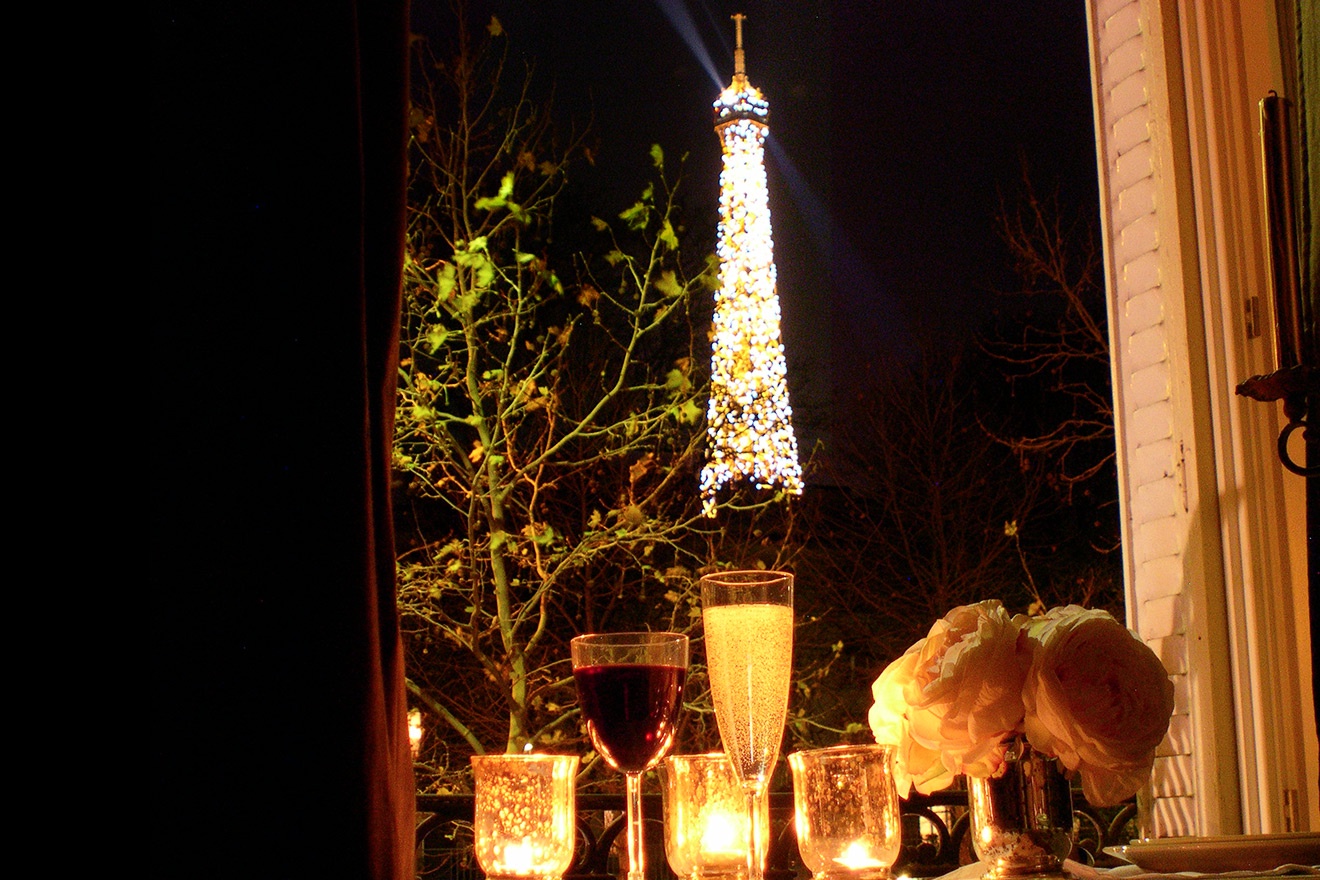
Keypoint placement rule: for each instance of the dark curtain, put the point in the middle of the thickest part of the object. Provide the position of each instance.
(278, 740)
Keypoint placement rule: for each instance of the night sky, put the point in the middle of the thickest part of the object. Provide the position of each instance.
(895, 130)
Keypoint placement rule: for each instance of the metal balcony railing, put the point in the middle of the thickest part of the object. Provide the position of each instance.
(934, 836)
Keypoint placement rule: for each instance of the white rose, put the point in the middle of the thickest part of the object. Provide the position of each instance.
(961, 687)
(1097, 698)
(914, 764)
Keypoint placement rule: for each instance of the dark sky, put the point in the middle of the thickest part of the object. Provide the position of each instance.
(895, 128)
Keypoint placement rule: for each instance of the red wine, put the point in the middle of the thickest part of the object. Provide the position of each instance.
(631, 710)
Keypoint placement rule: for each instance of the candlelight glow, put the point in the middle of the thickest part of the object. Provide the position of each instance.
(846, 811)
(415, 732)
(722, 834)
(519, 857)
(706, 820)
(858, 855)
(523, 815)
(749, 420)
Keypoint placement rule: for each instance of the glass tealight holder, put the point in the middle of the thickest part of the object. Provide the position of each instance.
(524, 816)
(846, 811)
(705, 817)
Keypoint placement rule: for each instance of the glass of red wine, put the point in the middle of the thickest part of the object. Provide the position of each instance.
(630, 688)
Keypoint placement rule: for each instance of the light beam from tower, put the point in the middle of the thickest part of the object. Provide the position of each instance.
(749, 423)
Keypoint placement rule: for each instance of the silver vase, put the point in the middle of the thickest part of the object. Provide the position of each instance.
(1022, 821)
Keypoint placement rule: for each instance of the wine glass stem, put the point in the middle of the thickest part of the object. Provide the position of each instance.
(636, 863)
(756, 848)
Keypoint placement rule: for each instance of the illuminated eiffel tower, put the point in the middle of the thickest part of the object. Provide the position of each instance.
(749, 420)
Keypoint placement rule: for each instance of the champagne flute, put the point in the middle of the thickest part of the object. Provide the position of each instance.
(630, 688)
(748, 618)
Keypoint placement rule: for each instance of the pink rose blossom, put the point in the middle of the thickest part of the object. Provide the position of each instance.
(1097, 698)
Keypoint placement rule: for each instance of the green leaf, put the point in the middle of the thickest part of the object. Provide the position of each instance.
(676, 381)
(600, 224)
(483, 268)
(657, 156)
(444, 285)
(485, 275)
(668, 237)
(710, 276)
(615, 257)
(667, 283)
(689, 413)
(635, 216)
(499, 200)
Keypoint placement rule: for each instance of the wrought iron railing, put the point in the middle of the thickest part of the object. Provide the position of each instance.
(934, 836)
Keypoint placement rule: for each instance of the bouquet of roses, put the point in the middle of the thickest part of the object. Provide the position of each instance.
(1076, 683)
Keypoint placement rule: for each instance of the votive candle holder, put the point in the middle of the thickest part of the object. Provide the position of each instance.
(705, 817)
(524, 819)
(846, 811)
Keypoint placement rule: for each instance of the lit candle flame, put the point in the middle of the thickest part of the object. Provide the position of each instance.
(720, 835)
(415, 732)
(858, 856)
(520, 857)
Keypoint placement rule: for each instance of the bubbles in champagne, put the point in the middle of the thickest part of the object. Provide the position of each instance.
(749, 655)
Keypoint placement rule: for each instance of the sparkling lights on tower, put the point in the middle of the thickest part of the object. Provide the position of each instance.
(749, 420)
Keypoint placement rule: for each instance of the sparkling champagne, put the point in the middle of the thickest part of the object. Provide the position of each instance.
(749, 654)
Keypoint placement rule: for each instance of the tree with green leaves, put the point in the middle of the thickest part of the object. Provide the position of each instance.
(550, 420)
